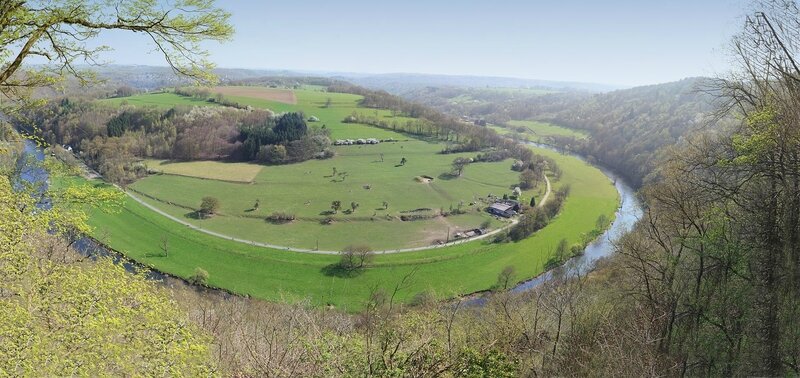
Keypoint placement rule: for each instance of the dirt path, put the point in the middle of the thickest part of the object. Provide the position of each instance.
(546, 192)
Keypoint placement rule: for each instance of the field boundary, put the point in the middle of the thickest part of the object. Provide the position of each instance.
(207, 178)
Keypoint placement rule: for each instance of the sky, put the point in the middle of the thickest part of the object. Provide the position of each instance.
(617, 42)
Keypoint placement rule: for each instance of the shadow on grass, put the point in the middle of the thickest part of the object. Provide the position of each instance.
(193, 215)
(336, 270)
(447, 176)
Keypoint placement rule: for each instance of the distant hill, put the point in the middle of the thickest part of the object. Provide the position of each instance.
(402, 83)
(153, 77)
(630, 126)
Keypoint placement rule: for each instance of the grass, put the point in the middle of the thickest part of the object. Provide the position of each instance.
(278, 275)
(287, 276)
(309, 101)
(161, 100)
(212, 170)
(468, 98)
(308, 189)
(539, 131)
(313, 103)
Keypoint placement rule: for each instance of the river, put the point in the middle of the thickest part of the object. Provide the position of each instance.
(629, 212)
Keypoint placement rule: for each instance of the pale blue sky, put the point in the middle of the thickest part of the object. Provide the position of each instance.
(623, 42)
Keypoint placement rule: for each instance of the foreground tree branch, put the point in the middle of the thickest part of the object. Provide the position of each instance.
(58, 32)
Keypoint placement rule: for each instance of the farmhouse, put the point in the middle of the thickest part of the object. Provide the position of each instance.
(506, 209)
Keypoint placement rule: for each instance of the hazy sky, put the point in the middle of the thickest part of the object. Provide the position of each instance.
(623, 42)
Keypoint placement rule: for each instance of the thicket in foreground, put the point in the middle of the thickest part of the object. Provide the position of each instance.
(62, 316)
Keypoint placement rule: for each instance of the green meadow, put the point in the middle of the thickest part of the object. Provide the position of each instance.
(307, 190)
(279, 275)
(538, 131)
(312, 102)
(161, 100)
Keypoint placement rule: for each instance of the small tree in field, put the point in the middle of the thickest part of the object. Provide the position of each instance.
(353, 206)
(336, 205)
(459, 164)
(355, 257)
(403, 161)
(164, 245)
(200, 276)
(385, 205)
(506, 277)
(562, 250)
(209, 206)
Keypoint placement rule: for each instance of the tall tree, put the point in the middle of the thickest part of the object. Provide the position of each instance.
(59, 31)
(717, 257)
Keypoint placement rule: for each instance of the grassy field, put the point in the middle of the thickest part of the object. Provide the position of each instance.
(161, 100)
(312, 102)
(538, 131)
(212, 170)
(285, 96)
(287, 276)
(308, 189)
(514, 92)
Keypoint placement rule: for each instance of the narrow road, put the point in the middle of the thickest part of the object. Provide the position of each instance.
(546, 192)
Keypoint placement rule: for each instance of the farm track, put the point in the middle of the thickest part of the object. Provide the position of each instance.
(546, 193)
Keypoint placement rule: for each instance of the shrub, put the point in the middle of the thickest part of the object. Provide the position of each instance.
(200, 276)
(280, 217)
(325, 154)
